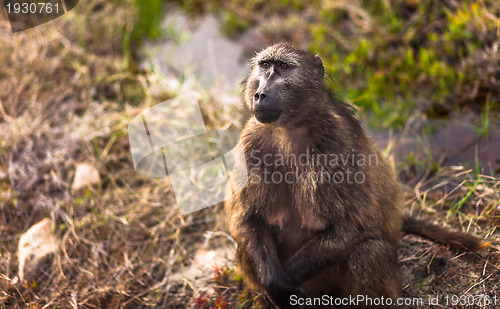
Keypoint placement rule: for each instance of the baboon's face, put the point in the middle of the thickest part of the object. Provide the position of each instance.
(282, 81)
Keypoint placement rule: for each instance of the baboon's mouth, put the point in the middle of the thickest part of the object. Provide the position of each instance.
(267, 116)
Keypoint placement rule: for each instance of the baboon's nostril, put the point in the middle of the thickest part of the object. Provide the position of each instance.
(259, 96)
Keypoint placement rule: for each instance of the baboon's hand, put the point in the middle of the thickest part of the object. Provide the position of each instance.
(291, 270)
(278, 285)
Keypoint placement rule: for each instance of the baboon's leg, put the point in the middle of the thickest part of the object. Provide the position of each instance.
(372, 270)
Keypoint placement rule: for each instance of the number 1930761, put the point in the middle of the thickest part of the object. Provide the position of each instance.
(32, 8)
(471, 300)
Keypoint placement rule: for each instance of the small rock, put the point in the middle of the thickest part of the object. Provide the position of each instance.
(207, 259)
(85, 176)
(200, 272)
(37, 247)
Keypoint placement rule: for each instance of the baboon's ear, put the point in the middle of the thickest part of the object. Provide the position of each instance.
(319, 64)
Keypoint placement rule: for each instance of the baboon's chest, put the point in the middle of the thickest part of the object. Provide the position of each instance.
(294, 210)
(283, 158)
(288, 219)
(292, 226)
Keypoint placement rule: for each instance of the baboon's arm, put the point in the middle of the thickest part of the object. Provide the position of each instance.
(260, 251)
(319, 253)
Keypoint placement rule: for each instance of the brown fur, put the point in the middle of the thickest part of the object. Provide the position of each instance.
(458, 240)
(311, 238)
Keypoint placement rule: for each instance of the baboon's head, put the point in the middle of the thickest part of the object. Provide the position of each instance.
(283, 80)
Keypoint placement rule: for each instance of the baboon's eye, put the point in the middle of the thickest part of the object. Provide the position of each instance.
(284, 65)
(265, 65)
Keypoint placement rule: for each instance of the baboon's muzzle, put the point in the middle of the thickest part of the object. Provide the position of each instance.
(265, 107)
(267, 115)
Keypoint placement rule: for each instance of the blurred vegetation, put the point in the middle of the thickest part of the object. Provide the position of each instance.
(147, 24)
(390, 57)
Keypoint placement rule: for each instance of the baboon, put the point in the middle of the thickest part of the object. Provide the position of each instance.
(302, 226)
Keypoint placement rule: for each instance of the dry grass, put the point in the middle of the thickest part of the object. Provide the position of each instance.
(66, 98)
(469, 202)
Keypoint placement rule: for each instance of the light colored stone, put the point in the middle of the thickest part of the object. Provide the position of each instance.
(85, 176)
(200, 271)
(37, 247)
